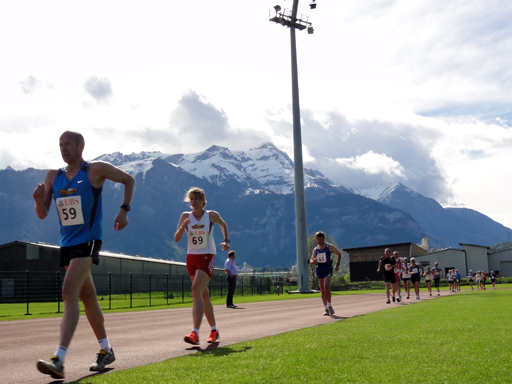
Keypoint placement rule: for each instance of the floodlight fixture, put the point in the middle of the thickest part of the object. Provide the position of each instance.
(310, 30)
(312, 5)
(277, 8)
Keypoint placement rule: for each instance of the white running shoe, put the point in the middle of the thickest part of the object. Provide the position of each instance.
(103, 358)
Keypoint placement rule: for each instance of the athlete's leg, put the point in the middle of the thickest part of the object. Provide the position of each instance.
(322, 292)
(76, 274)
(199, 291)
(325, 286)
(92, 308)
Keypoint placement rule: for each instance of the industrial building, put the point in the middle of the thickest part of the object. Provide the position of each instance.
(364, 261)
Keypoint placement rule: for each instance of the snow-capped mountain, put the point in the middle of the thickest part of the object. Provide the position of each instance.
(253, 190)
(264, 169)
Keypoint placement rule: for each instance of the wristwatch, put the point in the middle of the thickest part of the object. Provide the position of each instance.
(126, 207)
(227, 241)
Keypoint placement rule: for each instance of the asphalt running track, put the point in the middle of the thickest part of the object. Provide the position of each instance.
(141, 338)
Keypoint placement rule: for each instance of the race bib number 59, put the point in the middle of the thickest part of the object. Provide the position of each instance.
(70, 210)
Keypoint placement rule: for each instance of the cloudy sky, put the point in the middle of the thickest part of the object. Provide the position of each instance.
(417, 92)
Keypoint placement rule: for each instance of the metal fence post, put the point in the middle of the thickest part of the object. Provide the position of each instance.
(167, 287)
(149, 288)
(131, 289)
(220, 285)
(110, 290)
(27, 294)
(58, 291)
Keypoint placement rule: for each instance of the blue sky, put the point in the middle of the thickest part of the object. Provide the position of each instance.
(390, 91)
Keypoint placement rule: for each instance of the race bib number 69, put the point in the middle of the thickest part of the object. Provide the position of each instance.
(70, 210)
(197, 239)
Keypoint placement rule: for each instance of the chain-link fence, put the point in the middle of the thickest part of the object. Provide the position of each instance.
(40, 292)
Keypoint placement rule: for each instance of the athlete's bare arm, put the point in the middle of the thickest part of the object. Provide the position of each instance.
(101, 171)
(182, 225)
(313, 257)
(335, 250)
(215, 218)
(380, 264)
(43, 194)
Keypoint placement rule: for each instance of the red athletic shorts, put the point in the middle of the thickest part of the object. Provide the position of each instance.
(205, 262)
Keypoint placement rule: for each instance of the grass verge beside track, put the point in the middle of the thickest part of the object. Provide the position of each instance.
(459, 338)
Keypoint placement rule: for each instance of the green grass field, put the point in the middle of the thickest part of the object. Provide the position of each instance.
(460, 338)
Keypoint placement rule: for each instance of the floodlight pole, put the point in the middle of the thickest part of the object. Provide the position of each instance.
(303, 284)
(300, 196)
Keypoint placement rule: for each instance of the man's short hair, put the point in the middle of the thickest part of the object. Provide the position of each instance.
(77, 137)
(320, 234)
(230, 253)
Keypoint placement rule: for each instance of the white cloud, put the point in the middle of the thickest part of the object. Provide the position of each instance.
(416, 92)
(374, 163)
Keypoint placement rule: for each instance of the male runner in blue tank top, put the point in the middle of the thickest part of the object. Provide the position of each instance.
(323, 259)
(76, 190)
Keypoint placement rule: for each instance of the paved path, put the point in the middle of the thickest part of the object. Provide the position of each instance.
(140, 338)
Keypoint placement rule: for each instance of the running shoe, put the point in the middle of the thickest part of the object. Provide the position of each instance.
(398, 299)
(407, 297)
(417, 297)
(54, 367)
(387, 302)
(326, 312)
(103, 358)
(438, 294)
(393, 299)
(331, 311)
(214, 336)
(192, 338)
(430, 294)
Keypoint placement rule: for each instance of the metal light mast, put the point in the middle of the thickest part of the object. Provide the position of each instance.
(300, 22)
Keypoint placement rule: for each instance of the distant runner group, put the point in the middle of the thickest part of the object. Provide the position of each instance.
(396, 269)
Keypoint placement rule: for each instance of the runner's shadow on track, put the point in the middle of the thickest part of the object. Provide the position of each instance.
(223, 351)
(106, 370)
(208, 348)
(339, 317)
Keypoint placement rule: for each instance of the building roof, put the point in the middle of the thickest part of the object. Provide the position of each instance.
(474, 245)
(102, 253)
(379, 246)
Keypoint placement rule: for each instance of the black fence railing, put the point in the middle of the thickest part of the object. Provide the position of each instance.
(29, 290)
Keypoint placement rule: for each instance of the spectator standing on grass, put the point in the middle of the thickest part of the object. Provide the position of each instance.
(414, 270)
(198, 226)
(232, 273)
(76, 190)
(322, 258)
(406, 276)
(387, 262)
(438, 273)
